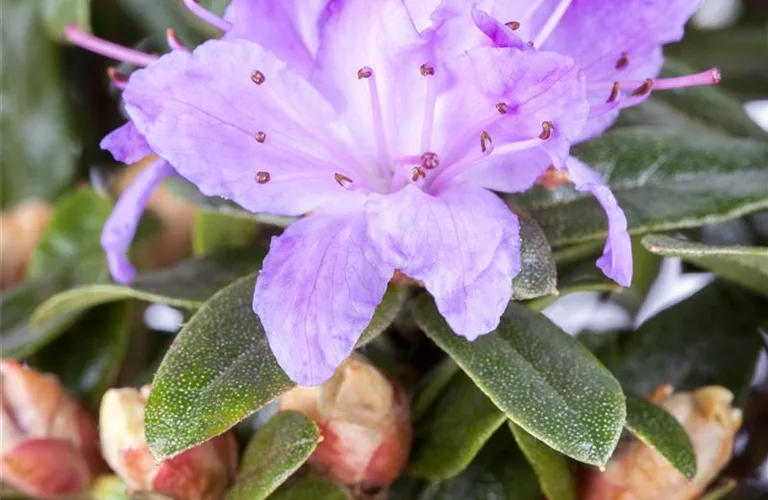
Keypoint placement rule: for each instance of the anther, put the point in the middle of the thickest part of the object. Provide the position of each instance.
(485, 141)
(546, 130)
(342, 179)
(425, 70)
(513, 25)
(553, 178)
(173, 39)
(258, 77)
(502, 108)
(116, 77)
(430, 160)
(364, 73)
(623, 61)
(530, 44)
(643, 89)
(615, 92)
(263, 177)
(416, 173)
(261, 137)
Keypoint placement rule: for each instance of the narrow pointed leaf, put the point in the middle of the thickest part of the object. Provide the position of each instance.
(543, 380)
(550, 467)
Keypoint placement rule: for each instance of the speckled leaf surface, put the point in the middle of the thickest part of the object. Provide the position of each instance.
(747, 266)
(663, 180)
(550, 467)
(544, 380)
(310, 488)
(662, 432)
(538, 276)
(219, 370)
(276, 451)
(453, 430)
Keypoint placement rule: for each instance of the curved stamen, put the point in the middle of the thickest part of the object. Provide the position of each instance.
(75, 35)
(207, 16)
(174, 42)
(428, 72)
(367, 74)
(552, 22)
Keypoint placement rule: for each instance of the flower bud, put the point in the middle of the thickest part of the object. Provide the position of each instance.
(637, 472)
(48, 442)
(364, 419)
(20, 230)
(201, 473)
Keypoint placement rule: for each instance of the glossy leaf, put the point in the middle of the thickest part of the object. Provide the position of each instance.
(276, 451)
(310, 488)
(551, 468)
(57, 14)
(543, 380)
(449, 435)
(214, 232)
(40, 145)
(662, 432)
(219, 370)
(538, 276)
(747, 266)
(662, 179)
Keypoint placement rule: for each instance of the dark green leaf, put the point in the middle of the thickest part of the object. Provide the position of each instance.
(538, 276)
(433, 386)
(449, 435)
(310, 488)
(747, 266)
(499, 471)
(187, 284)
(276, 451)
(662, 432)
(155, 17)
(663, 180)
(219, 370)
(39, 145)
(550, 467)
(708, 339)
(543, 379)
(57, 14)
(216, 231)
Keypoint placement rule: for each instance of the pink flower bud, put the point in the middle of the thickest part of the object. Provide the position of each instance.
(201, 473)
(365, 423)
(637, 472)
(20, 230)
(48, 442)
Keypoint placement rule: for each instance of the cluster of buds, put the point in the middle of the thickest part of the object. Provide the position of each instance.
(20, 230)
(48, 443)
(201, 473)
(637, 472)
(364, 420)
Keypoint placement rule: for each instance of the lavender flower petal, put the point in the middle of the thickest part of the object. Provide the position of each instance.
(126, 144)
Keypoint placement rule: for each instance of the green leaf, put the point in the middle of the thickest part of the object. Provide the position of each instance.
(276, 451)
(538, 276)
(94, 349)
(662, 179)
(544, 380)
(57, 14)
(684, 345)
(216, 231)
(550, 467)
(219, 370)
(449, 435)
(662, 432)
(747, 266)
(434, 384)
(310, 488)
(39, 147)
(187, 284)
(499, 471)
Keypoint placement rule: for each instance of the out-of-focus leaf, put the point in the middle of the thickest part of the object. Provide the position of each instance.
(57, 14)
(662, 432)
(215, 6)
(187, 284)
(499, 471)
(310, 488)
(39, 148)
(550, 467)
(214, 232)
(747, 266)
(449, 435)
(155, 17)
(87, 358)
(111, 487)
(276, 451)
(722, 492)
(544, 380)
(433, 386)
(219, 370)
(662, 179)
(708, 339)
(538, 276)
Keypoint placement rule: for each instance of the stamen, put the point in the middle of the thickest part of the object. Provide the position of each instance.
(502, 108)
(261, 137)
(258, 77)
(117, 78)
(263, 177)
(173, 40)
(416, 173)
(615, 92)
(643, 89)
(342, 179)
(378, 119)
(364, 73)
(485, 142)
(623, 61)
(513, 25)
(552, 22)
(108, 49)
(207, 16)
(710, 77)
(428, 72)
(429, 160)
(546, 130)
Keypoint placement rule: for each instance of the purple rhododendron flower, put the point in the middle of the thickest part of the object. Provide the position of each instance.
(391, 123)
